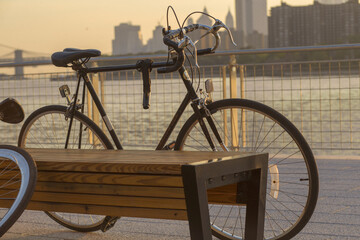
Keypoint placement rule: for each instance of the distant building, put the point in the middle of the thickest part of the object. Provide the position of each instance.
(207, 41)
(204, 42)
(314, 24)
(229, 20)
(127, 39)
(156, 43)
(226, 43)
(251, 22)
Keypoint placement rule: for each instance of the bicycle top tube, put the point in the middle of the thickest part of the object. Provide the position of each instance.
(126, 67)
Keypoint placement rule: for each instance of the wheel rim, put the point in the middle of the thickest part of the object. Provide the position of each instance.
(286, 207)
(10, 162)
(48, 130)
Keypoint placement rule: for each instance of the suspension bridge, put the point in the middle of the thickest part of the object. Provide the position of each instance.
(17, 57)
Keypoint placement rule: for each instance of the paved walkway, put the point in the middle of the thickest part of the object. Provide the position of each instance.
(337, 215)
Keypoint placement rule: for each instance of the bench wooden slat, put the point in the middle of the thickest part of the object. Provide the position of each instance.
(174, 214)
(117, 179)
(110, 167)
(107, 189)
(223, 195)
(128, 156)
(143, 191)
(105, 200)
(102, 178)
(109, 200)
(144, 162)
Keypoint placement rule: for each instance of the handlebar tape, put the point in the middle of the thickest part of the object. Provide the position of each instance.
(145, 67)
(204, 51)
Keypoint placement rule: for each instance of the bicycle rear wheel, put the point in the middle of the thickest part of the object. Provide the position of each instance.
(47, 128)
(293, 185)
(17, 183)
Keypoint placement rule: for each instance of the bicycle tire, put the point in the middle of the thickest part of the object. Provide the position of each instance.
(13, 159)
(287, 212)
(36, 133)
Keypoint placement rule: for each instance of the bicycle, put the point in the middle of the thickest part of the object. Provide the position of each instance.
(17, 172)
(225, 125)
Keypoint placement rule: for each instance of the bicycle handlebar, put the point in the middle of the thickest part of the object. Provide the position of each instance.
(180, 57)
(185, 41)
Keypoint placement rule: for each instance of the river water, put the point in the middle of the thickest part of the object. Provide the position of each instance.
(325, 108)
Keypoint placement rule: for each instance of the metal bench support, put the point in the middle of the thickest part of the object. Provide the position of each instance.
(197, 178)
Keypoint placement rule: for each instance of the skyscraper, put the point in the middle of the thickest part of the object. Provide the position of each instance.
(229, 20)
(127, 39)
(251, 18)
(316, 24)
(156, 43)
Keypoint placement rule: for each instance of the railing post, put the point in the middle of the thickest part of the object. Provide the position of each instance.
(243, 117)
(233, 94)
(223, 71)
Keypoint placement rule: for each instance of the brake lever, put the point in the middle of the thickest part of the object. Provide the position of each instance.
(184, 43)
(195, 53)
(218, 25)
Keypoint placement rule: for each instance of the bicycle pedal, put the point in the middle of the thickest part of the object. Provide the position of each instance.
(108, 223)
(170, 146)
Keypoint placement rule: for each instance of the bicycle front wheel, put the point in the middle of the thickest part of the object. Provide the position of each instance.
(47, 127)
(18, 178)
(293, 186)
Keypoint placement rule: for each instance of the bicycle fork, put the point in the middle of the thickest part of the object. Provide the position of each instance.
(201, 110)
(204, 128)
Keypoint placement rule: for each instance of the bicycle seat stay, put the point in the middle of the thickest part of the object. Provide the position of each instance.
(70, 55)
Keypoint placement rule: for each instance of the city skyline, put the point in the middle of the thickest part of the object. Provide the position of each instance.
(53, 25)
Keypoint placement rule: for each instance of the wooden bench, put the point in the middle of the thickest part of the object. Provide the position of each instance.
(151, 184)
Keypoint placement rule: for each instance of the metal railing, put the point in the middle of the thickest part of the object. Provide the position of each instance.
(321, 98)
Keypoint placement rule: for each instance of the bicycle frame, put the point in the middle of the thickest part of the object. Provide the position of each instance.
(190, 98)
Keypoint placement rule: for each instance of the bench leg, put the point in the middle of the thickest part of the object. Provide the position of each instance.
(197, 205)
(195, 188)
(255, 207)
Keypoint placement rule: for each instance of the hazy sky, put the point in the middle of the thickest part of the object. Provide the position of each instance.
(51, 25)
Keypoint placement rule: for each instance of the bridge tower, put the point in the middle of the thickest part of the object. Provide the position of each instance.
(19, 70)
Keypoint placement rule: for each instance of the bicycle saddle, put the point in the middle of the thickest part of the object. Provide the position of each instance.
(69, 55)
(11, 111)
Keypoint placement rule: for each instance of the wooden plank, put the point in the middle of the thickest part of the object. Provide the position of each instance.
(140, 191)
(174, 214)
(116, 179)
(126, 156)
(222, 195)
(105, 200)
(165, 169)
(225, 194)
(10, 175)
(6, 164)
(107, 189)
(110, 200)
